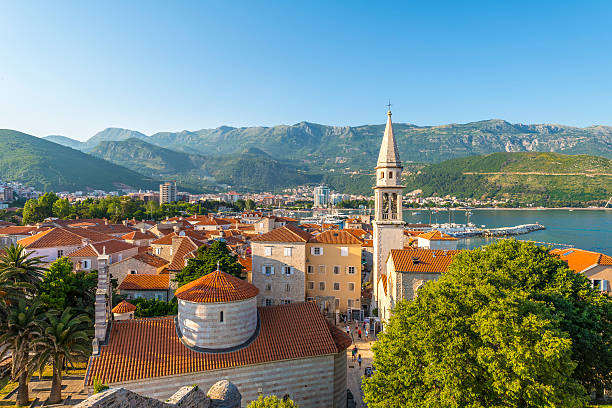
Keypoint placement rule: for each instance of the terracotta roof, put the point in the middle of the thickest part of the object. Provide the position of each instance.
(185, 250)
(216, 287)
(150, 259)
(19, 230)
(288, 233)
(124, 307)
(422, 260)
(342, 340)
(247, 262)
(165, 240)
(212, 221)
(340, 237)
(436, 235)
(148, 348)
(135, 235)
(62, 237)
(578, 259)
(110, 246)
(145, 282)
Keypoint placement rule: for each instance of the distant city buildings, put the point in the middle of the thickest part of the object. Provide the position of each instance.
(321, 196)
(167, 192)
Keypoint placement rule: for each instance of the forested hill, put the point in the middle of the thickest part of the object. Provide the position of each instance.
(48, 166)
(538, 178)
(321, 146)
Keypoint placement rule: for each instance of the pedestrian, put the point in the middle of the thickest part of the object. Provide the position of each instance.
(354, 352)
(356, 324)
(364, 325)
(359, 361)
(348, 330)
(359, 334)
(367, 333)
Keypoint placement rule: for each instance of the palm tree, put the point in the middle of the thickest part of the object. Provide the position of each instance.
(20, 266)
(63, 338)
(19, 329)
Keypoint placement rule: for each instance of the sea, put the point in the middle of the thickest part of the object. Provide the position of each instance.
(585, 229)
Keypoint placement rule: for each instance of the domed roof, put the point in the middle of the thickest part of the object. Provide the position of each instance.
(124, 307)
(216, 287)
(224, 394)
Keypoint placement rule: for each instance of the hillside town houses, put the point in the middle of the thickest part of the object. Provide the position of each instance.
(274, 330)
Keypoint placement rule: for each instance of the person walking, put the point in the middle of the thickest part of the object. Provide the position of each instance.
(354, 352)
(359, 333)
(367, 333)
(359, 361)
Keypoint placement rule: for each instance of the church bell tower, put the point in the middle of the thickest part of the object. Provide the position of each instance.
(388, 220)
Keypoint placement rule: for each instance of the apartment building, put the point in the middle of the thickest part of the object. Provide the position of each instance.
(167, 192)
(278, 265)
(333, 271)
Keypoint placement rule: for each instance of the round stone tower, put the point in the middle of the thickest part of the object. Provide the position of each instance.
(217, 311)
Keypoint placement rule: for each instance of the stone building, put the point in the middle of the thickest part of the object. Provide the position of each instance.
(146, 286)
(86, 258)
(406, 271)
(220, 333)
(278, 263)
(388, 224)
(437, 240)
(139, 264)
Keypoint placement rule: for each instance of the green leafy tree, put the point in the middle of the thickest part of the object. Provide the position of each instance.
(64, 337)
(24, 269)
(62, 288)
(61, 208)
(509, 325)
(154, 308)
(272, 401)
(206, 261)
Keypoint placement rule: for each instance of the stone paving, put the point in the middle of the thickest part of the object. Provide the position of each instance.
(354, 373)
(72, 392)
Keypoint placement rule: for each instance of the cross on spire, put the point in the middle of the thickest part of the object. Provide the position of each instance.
(389, 105)
(218, 265)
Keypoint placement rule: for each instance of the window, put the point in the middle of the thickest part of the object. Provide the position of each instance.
(337, 303)
(288, 251)
(268, 251)
(287, 270)
(268, 302)
(133, 272)
(596, 284)
(285, 302)
(390, 174)
(309, 299)
(351, 270)
(351, 286)
(344, 251)
(159, 296)
(336, 269)
(310, 285)
(287, 288)
(268, 287)
(221, 316)
(119, 257)
(267, 270)
(310, 269)
(86, 264)
(60, 253)
(158, 251)
(321, 285)
(316, 251)
(382, 174)
(336, 286)
(321, 268)
(350, 302)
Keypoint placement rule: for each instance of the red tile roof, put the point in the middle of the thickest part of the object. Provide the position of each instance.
(422, 260)
(288, 233)
(436, 235)
(124, 307)
(340, 237)
(165, 240)
(136, 235)
(55, 237)
(150, 259)
(247, 262)
(185, 250)
(148, 348)
(578, 259)
(108, 247)
(19, 230)
(216, 287)
(145, 282)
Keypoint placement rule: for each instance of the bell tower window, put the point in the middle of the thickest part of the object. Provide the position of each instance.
(390, 174)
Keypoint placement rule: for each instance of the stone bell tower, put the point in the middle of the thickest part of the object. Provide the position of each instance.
(388, 222)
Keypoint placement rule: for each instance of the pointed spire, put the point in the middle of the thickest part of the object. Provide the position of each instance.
(389, 154)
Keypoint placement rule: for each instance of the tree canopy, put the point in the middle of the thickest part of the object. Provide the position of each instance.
(206, 261)
(272, 401)
(509, 325)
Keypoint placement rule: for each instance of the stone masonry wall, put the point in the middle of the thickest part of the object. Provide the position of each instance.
(186, 397)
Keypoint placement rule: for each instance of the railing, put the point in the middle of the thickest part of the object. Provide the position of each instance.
(386, 216)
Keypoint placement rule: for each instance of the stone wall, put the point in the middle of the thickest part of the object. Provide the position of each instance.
(186, 397)
(310, 382)
(201, 326)
(119, 270)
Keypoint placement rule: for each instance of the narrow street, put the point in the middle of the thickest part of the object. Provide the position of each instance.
(354, 373)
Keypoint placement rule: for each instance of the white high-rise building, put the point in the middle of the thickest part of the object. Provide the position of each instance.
(167, 192)
(321, 196)
(388, 224)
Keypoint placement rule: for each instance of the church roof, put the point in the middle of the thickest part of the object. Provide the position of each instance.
(124, 307)
(148, 348)
(216, 287)
(389, 153)
(422, 260)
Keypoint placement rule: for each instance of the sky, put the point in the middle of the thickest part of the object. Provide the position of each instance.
(75, 68)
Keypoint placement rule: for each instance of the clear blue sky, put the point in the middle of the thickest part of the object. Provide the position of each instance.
(74, 68)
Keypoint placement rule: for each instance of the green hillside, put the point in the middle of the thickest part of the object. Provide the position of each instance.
(51, 167)
(538, 178)
(251, 169)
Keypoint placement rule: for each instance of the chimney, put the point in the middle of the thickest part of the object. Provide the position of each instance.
(142, 230)
(176, 229)
(125, 222)
(102, 305)
(85, 242)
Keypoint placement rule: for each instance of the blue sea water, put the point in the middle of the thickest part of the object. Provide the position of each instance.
(586, 229)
